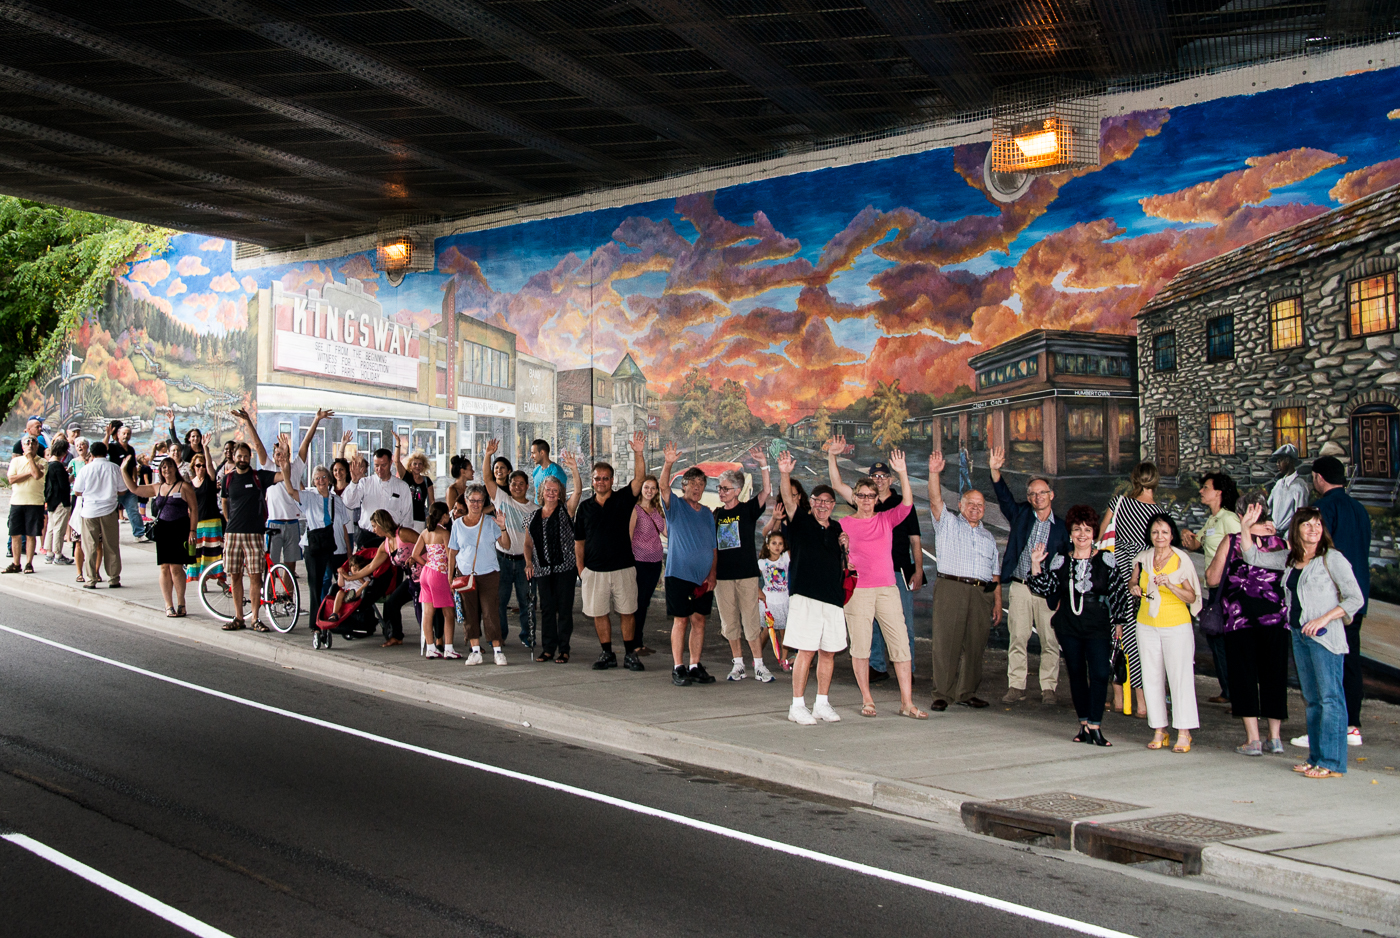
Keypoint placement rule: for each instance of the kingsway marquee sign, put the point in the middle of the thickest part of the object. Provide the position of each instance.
(341, 332)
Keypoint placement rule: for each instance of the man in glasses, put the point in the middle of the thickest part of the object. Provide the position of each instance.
(691, 562)
(1032, 524)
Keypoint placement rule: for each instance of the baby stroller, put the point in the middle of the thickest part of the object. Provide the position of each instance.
(357, 615)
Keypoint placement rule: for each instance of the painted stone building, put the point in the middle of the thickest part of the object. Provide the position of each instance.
(1290, 339)
(1061, 404)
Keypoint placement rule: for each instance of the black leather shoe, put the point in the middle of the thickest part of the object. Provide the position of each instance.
(938, 706)
(1096, 737)
(877, 676)
(1083, 736)
(606, 660)
(633, 663)
(976, 703)
(680, 676)
(698, 675)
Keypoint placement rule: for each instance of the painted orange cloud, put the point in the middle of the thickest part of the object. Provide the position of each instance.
(191, 265)
(213, 244)
(1218, 199)
(360, 268)
(249, 284)
(1364, 181)
(149, 272)
(141, 292)
(177, 286)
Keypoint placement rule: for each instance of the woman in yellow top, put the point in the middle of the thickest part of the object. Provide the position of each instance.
(1165, 579)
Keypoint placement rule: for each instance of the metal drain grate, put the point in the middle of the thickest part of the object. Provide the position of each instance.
(1186, 827)
(1063, 804)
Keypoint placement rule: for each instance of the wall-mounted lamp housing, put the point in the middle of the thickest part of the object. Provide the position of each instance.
(1046, 126)
(403, 245)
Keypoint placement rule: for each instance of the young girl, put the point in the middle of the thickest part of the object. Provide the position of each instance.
(435, 584)
(773, 574)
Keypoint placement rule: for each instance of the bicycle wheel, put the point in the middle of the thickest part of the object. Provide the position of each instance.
(215, 594)
(281, 598)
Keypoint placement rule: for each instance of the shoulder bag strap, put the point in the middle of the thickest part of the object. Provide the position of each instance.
(480, 526)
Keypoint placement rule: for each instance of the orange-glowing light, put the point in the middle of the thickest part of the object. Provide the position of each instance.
(396, 251)
(1042, 144)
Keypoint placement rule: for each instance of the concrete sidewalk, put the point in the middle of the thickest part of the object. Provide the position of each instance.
(1254, 824)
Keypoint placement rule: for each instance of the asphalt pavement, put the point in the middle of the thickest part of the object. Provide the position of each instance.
(389, 818)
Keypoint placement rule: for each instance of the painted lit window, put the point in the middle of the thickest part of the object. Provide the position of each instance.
(1291, 426)
(1127, 424)
(1286, 323)
(1372, 303)
(1164, 351)
(1025, 424)
(1220, 338)
(1222, 434)
(1004, 374)
(1106, 366)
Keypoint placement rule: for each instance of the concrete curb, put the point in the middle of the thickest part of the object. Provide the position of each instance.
(1352, 895)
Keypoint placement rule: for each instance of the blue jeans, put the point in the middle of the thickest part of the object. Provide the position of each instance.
(513, 575)
(1320, 679)
(132, 506)
(877, 641)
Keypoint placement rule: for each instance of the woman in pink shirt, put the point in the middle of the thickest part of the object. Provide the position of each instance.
(876, 597)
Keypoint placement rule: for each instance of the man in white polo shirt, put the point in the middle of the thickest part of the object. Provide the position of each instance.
(100, 484)
(381, 490)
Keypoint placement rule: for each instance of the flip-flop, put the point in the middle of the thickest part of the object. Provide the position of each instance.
(868, 710)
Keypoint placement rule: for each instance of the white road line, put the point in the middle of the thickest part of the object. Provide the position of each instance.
(135, 896)
(1049, 918)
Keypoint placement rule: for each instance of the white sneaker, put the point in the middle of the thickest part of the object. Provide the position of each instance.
(1354, 736)
(823, 711)
(500, 656)
(1300, 741)
(737, 673)
(432, 652)
(799, 714)
(762, 674)
(474, 657)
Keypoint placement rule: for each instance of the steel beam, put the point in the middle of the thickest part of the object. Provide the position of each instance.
(44, 198)
(413, 85)
(80, 144)
(1137, 34)
(921, 28)
(715, 37)
(471, 19)
(20, 80)
(135, 53)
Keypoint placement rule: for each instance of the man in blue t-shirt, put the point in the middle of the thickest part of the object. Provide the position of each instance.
(544, 468)
(692, 558)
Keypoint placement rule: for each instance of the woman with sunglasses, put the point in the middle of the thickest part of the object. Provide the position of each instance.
(209, 533)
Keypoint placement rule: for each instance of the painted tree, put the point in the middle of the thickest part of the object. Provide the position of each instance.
(822, 424)
(888, 413)
(55, 264)
(694, 413)
(732, 415)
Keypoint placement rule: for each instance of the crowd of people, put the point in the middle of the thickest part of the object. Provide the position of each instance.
(1117, 597)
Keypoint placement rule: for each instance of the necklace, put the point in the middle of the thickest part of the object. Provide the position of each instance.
(1075, 607)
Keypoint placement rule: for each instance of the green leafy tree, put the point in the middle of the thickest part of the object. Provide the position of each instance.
(732, 414)
(55, 264)
(695, 411)
(888, 414)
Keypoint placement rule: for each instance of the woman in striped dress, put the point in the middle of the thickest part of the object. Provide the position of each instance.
(1129, 515)
(209, 535)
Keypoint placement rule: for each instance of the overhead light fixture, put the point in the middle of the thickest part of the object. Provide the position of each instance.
(402, 245)
(1046, 126)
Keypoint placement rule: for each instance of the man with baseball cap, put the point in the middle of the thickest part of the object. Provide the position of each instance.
(1345, 520)
(1290, 492)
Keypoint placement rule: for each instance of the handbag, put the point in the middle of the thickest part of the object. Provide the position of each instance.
(153, 525)
(850, 579)
(322, 540)
(1213, 615)
(467, 583)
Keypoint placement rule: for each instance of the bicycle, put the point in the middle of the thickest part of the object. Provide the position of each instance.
(281, 594)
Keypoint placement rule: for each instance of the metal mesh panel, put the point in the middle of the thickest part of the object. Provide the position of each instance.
(1045, 126)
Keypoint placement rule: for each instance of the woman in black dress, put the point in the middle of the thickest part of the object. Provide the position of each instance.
(1090, 604)
(171, 499)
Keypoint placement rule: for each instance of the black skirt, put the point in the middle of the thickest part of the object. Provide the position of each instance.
(173, 542)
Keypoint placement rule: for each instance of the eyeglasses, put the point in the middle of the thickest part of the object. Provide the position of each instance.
(880, 476)
(823, 503)
(1039, 494)
(728, 488)
(865, 495)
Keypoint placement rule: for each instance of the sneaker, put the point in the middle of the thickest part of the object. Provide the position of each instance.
(633, 663)
(606, 660)
(680, 676)
(737, 673)
(525, 642)
(1354, 736)
(698, 675)
(763, 675)
(432, 652)
(453, 655)
(1014, 695)
(1274, 746)
(823, 711)
(1047, 697)
(63, 561)
(474, 658)
(500, 656)
(1300, 741)
(1255, 748)
(48, 558)
(799, 714)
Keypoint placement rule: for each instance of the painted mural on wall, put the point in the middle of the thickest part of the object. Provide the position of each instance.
(797, 297)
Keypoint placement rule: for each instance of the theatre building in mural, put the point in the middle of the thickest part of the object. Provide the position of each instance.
(1060, 404)
(1291, 339)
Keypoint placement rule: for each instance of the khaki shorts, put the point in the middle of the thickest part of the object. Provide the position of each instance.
(882, 603)
(613, 591)
(738, 602)
(814, 626)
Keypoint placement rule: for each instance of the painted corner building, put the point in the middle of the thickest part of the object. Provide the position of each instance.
(906, 299)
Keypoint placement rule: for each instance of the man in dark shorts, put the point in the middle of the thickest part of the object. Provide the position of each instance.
(603, 553)
(691, 561)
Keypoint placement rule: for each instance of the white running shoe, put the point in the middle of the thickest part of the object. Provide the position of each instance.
(762, 674)
(1300, 741)
(799, 714)
(500, 656)
(823, 711)
(1354, 736)
(432, 652)
(474, 658)
(737, 673)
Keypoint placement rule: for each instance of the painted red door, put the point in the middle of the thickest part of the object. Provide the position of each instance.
(1373, 438)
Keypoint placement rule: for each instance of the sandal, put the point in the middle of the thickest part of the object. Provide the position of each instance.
(80, 578)
(1318, 771)
(259, 627)
(561, 658)
(868, 710)
(12, 568)
(29, 568)
(1159, 742)
(1302, 767)
(545, 656)
(235, 625)
(1182, 747)
(170, 613)
(914, 713)
(180, 612)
